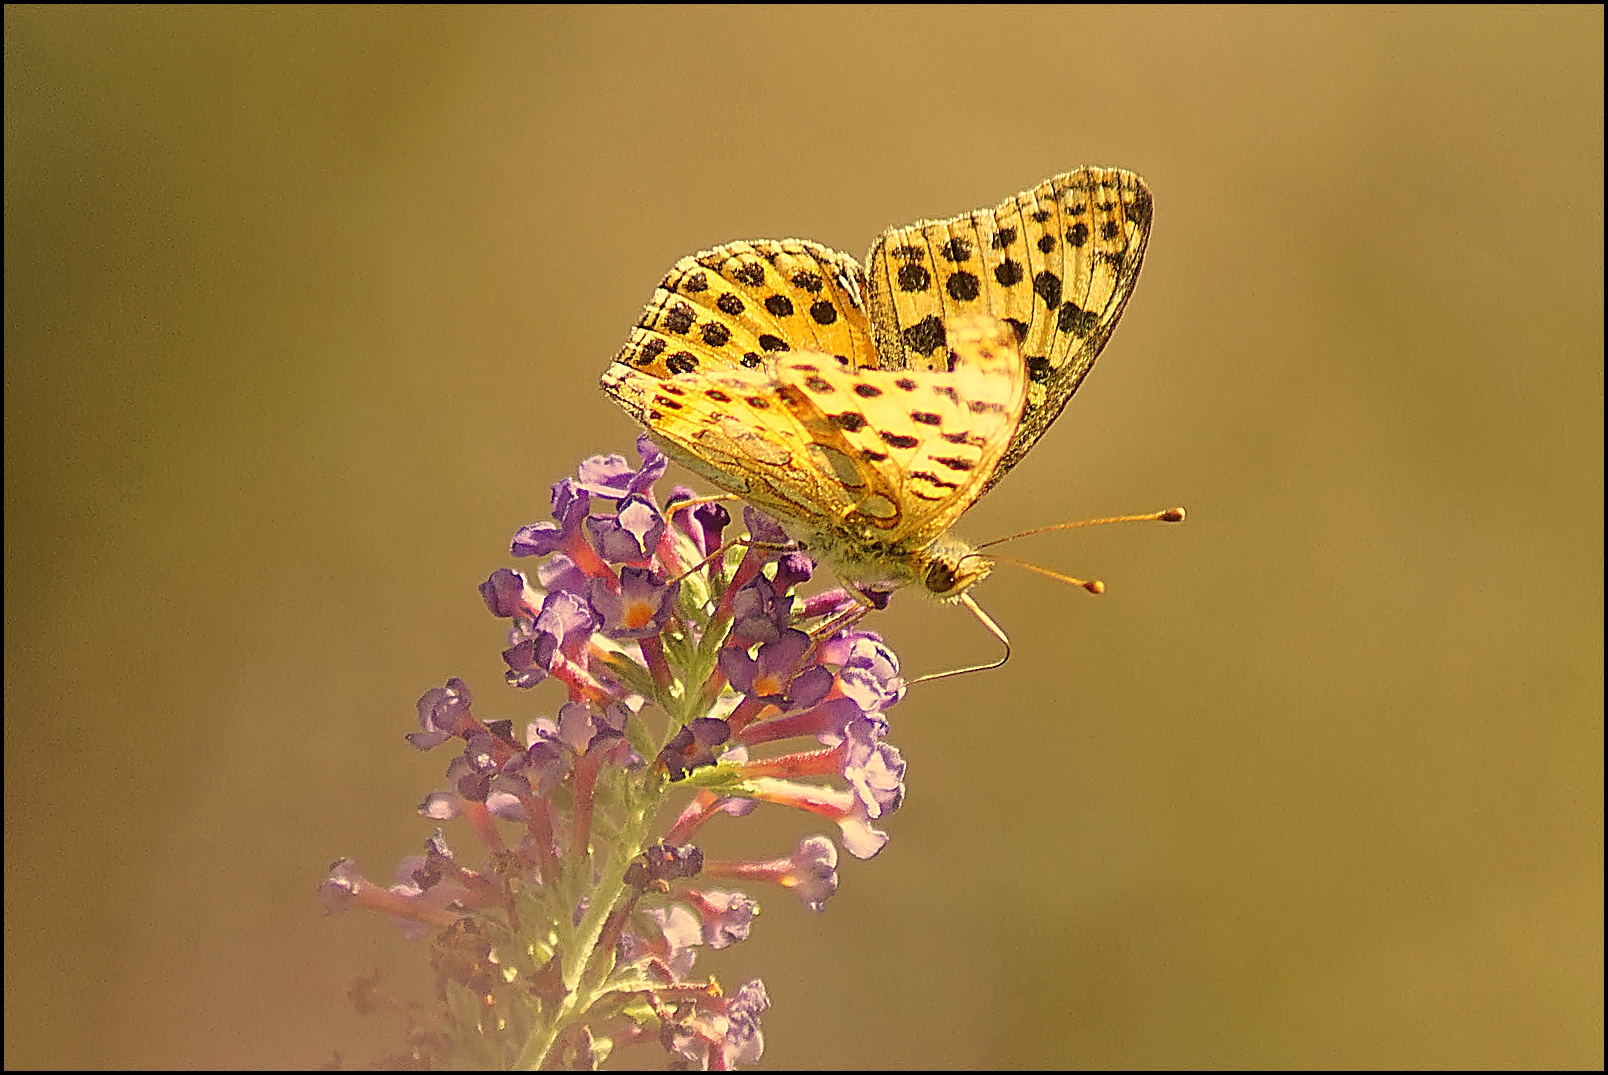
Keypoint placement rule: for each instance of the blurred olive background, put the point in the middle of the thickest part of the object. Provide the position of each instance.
(305, 310)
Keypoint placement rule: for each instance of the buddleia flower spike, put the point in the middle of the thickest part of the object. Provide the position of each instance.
(564, 914)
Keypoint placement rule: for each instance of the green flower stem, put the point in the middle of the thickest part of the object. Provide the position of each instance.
(585, 963)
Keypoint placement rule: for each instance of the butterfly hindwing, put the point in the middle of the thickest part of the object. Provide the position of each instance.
(1056, 263)
(924, 442)
(894, 454)
(743, 431)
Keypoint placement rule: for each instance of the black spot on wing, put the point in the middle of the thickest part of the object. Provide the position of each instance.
(926, 335)
(1139, 209)
(651, 350)
(1073, 318)
(914, 277)
(792, 397)
(678, 318)
(1048, 287)
(933, 479)
(849, 420)
(962, 286)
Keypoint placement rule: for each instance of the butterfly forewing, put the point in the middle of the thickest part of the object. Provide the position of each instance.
(1056, 263)
(731, 306)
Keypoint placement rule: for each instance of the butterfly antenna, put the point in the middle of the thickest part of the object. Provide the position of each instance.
(1092, 585)
(1170, 515)
(988, 622)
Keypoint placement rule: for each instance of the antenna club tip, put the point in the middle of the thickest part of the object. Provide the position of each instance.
(1094, 586)
(1173, 515)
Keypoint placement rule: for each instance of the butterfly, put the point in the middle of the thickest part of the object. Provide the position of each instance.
(868, 408)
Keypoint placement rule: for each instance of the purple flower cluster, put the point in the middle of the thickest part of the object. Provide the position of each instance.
(688, 662)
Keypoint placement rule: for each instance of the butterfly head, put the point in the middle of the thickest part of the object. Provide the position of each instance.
(951, 568)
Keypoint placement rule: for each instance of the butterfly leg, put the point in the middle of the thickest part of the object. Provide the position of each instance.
(842, 621)
(698, 502)
(744, 540)
(987, 621)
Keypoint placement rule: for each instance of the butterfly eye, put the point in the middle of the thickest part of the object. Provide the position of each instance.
(940, 578)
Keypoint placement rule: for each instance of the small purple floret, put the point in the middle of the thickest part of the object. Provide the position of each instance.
(813, 877)
(571, 506)
(441, 710)
(773, 674)
(630, 536)
(711, 520)
(504, 593)
(611, 477)
(693, 746)
(641, 607)
(758, 613)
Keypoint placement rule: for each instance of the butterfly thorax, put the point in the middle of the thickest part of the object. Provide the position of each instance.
(945, 566)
